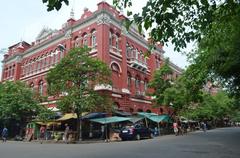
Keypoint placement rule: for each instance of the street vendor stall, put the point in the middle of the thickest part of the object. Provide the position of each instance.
(109, 120)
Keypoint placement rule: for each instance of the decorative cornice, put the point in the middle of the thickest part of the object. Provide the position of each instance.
(141, 101)
(103, 19)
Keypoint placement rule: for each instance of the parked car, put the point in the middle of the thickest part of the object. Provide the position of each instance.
(135, 132)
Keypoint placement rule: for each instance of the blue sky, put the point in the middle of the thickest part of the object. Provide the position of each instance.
(23, 20)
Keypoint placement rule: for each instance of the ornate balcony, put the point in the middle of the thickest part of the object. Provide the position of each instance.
(139, 94)
(140, 65)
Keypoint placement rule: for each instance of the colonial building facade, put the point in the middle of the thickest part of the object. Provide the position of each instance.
(104, 32)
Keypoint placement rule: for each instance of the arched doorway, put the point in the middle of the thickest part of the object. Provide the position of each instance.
(139, 110)
(131, 110)
(161, 110)
(148, 111)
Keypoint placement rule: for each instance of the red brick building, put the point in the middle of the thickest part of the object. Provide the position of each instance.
(104, 32)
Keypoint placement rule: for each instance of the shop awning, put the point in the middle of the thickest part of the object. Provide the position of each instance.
(159, 118)
(68, 116)
(122, 113)
(107, 120)
(48, 123)
(146, 114)
(135, 119)
(94, 115)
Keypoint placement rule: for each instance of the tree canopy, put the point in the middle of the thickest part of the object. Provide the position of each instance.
(160, 83)
(213, 25)
(17, 101)
(217, 55)
(55, 4)
(213, 107)
(75, 78)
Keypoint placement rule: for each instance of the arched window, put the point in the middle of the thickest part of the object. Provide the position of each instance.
(13, 70)
(117, 41)
(30, 67)
(38, 65)
(40, 87)
(46, 60)
(137, 83)
(145, 85)
(42, 62)
(10, 71)
(85, 41)
(51, 58)
(110, 38)
(32, 86)
(77, 42)
(129, 79)
(137, 54)
(61, 53)
(94, 39)
(56, 55)
(133, 52)
(128, 51)
(115, 67)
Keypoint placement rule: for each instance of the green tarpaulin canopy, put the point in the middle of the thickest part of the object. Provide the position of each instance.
(107, 120)
(159, 118)
(154, 117)
(146, 114)
(135, 119)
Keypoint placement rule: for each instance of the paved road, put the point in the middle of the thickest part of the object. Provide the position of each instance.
(218, 143)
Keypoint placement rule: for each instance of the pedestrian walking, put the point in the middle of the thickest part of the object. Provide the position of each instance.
(42, 133)
(4, 134)
(204, 127)
(66, 133)
(175, 128)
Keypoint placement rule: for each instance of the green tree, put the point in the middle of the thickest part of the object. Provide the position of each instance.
(17, 103)
(214, 25)
(75, 77)
(160, 83)
(217, 55)
(215, 107)
(178, 21)
(176, 95)
(54, 4)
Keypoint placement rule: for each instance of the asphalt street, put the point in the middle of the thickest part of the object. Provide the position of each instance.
(217, 143)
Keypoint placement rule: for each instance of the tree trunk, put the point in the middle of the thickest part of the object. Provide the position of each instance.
(80, 128)
(79, 125)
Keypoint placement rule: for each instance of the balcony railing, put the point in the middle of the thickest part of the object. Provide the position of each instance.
(139, 94)
(138, 64)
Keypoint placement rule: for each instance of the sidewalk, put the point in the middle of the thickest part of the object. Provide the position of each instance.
(89, 141)
(70, 142)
